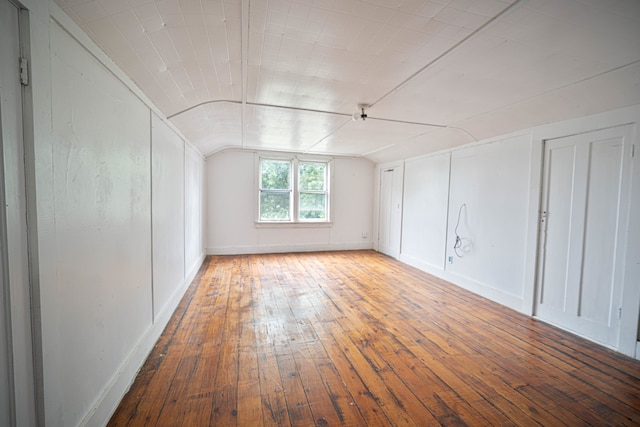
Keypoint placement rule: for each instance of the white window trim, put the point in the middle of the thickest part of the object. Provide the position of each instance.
(294, 223)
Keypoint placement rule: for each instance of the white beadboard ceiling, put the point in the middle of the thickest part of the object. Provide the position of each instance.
(288, 74)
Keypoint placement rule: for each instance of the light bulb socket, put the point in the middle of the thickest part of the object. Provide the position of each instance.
(360, 114)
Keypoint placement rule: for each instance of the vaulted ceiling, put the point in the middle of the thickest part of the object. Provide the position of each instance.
(289, 74)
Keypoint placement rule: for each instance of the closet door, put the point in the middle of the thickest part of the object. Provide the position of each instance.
(582, 226)
(390, 219)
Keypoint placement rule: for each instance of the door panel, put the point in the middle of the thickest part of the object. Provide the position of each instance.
(561, 162)
(390, 221)
(585, 196)
(598, 272)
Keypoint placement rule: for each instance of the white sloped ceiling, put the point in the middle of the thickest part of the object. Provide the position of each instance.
(287, 75)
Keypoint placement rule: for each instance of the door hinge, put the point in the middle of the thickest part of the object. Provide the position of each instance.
(619, 312)
(24, 71)
(633, 150)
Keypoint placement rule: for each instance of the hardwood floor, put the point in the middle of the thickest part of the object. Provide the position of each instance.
(359, 339)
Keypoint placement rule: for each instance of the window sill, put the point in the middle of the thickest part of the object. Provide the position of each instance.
(265, 224)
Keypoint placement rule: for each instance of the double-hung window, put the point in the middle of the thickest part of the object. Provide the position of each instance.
(293, 190)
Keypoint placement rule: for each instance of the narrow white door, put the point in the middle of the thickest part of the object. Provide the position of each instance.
(17, 400)
(582, 232)
(390, 222)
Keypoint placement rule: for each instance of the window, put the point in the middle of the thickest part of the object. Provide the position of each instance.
(292, 190)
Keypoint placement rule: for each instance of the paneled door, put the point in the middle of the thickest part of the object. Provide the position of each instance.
(582, 232)
(390, 218)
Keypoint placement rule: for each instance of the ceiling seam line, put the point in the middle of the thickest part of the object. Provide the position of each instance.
(447, 52)
(568, 85)
(325, 137)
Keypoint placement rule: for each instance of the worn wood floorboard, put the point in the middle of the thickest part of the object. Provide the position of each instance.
(359, 339)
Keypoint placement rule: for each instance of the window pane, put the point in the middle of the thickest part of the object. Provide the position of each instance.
(313, 206)
(274, 174)
(274, 206)
(312, 176)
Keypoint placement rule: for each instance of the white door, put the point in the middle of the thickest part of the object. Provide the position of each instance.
(582, 232)
(390, 222)
(17, 401)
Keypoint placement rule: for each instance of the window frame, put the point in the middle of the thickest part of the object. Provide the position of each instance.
(294, 178)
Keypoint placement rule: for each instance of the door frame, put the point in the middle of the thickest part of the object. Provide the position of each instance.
(380, 169)
(28, 405)
(629, 328)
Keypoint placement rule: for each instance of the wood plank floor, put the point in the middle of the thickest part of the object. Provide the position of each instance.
(359, 339)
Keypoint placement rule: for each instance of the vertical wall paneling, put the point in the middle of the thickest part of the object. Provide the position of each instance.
(193, 209)
(99, 302)
(489, 207)
(482, 193)
(495, 189)
(426, 198)
(167, 178)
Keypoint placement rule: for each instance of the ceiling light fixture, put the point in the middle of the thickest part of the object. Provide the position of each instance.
(360, 115)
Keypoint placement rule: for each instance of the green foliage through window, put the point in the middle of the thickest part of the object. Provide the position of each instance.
(312, 176)
(277, 190)
(275, 174)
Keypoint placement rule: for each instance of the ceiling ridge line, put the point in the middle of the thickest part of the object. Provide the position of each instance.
(309, 110)
(448, 51)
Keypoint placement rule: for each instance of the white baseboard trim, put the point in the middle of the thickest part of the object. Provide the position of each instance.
(471, 285)
(270, 249)
(106, 404)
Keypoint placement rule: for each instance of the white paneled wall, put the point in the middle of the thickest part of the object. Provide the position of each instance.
(167, 175)
(232, 199)
(194, 202)
(426, 197)
(492, 182)
(97, 306)
(120, 230)
(488, 194)
(486, 187)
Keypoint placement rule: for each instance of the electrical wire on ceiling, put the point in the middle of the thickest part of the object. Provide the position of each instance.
(361, 115)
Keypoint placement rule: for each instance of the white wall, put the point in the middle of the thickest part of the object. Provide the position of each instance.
(118, 222)
(492, 182)
(194, 204)
(426, 198)
(231, 209)
(499, 181)
(167, 174)
(100, 297)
